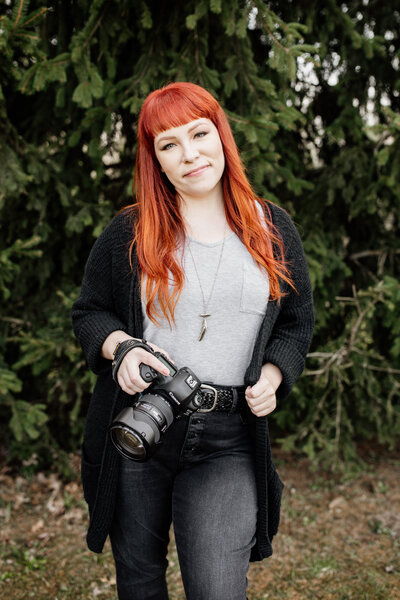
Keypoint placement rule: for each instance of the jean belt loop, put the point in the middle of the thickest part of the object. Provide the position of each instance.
(235, 399)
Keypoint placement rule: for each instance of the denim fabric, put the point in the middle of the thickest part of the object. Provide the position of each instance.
(202, 478)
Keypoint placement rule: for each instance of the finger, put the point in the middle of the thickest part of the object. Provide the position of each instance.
(262, 401)
(262, 386)
(263, 397)
(263, 413)
(128, 386)
(156, 364)
(158, 349)
(151, 360)
(139, 355)
(256, 402)
(129, 377)
(263, 409)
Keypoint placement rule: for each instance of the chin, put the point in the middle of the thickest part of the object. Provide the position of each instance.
(202, 189)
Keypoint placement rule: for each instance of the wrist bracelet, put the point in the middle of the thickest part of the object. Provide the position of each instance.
(116, 348)
(120, 342)
(122, 350)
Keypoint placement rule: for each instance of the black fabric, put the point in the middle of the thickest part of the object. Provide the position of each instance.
(110, 300)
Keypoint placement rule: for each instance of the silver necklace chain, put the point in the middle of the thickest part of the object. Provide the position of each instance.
(206, 314)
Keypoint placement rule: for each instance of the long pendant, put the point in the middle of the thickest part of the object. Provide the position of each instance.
(203, 325)
(205, 304)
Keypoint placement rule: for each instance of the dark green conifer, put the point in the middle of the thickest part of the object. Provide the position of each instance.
(312, 93)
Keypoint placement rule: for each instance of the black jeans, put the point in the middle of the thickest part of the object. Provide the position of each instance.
(202, 478)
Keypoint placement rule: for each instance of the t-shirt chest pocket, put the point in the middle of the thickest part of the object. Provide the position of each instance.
(255, 290)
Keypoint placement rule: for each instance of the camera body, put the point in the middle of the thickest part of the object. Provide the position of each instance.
(137, 429)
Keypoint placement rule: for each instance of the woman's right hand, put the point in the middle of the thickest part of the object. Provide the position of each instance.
(128, 375)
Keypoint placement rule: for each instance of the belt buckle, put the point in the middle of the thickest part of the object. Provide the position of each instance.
(209, 387)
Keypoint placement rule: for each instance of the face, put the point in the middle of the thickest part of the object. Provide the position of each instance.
(192, 158)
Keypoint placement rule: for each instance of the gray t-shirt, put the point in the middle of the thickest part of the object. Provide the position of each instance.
(237, 307)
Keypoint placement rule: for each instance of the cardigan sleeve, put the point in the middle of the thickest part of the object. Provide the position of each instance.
(292, 332)
(94, 314)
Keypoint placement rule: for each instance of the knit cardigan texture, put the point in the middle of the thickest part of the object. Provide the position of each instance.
(110, 300)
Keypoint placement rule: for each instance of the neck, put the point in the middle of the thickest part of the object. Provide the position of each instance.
(204, 217)
(207, 227)
(195, 208)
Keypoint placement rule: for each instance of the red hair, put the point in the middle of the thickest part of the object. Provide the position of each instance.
(158, 222)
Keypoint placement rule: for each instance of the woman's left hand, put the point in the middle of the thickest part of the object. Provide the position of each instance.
(261, 397)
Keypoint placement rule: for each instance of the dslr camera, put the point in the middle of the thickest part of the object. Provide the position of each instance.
(137, 429)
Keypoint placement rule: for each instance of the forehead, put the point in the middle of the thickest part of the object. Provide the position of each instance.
(182, 129)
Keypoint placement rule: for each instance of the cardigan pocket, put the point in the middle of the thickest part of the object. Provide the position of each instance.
(90, 475)
(275, 488)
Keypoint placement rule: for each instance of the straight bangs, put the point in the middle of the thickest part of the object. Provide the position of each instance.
(173, 107)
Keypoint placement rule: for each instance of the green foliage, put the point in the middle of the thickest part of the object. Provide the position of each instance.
(9, 268)
(353, 380)
(27, 419)
(312, 93)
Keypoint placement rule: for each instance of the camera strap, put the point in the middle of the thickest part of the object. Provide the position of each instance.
(122, 350)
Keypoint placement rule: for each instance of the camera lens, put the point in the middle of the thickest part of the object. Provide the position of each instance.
(137, 429)
(130, 439)
(128, 443)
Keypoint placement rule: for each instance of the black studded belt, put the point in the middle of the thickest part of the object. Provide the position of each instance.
(218, 398)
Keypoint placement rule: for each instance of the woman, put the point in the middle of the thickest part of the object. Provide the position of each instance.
(215, 279)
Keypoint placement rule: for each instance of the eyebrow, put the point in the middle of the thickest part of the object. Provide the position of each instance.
(173, 137)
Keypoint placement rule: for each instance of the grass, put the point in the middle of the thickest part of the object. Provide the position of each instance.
(338, 540)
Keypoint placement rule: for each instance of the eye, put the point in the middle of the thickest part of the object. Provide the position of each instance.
(200, 134)
(167, 146)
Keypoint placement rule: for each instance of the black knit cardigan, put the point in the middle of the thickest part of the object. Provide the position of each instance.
(110, 300)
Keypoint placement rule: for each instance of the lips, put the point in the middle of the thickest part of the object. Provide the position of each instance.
(197, 171)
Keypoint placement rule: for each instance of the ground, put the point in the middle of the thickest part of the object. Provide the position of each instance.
(339, 538)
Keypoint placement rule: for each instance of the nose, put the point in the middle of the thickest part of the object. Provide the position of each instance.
(190, 152)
